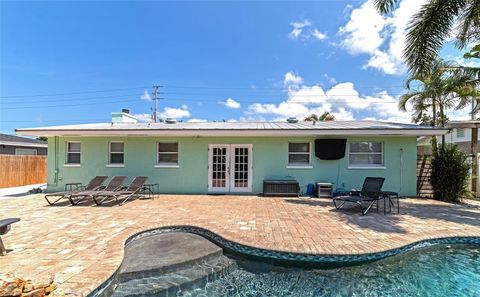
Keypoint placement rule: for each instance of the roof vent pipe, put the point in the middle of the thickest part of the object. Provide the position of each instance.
(292, 120)
(125, 110)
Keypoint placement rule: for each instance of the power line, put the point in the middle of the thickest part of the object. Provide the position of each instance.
(270, 88)
(295, 101)
(289, 95)
(71, 93)
(68, 99)
(68, 105)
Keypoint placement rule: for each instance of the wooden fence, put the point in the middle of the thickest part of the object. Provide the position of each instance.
(424, 170)
(22, 170)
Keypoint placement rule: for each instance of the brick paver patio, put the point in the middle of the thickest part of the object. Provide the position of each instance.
(83, 245)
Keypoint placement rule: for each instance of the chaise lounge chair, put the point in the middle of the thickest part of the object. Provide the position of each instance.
(94, 184)
(371, 192)
(134, 189)
(5, 226)
(115, 184)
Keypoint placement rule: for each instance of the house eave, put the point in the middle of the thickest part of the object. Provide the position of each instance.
(234, 133)
(24, 144)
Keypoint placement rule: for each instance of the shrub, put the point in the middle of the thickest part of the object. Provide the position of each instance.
(450, 173)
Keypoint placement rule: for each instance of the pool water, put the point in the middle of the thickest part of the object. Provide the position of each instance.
(433, 271)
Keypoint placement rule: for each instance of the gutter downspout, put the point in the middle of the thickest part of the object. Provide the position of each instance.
(55, 179)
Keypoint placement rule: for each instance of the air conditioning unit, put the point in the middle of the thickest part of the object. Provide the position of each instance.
(280, 188)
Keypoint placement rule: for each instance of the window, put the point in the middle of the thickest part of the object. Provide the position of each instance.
(460, 132)
(25, 151)
(299, 154)
(167, 153)
(366, 154)
(116, 152)
(73, 152)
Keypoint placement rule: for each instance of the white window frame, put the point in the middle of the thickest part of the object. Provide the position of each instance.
(367, 166)
(167, 165)
(26, 149)
(299, 165)
(110, 164)
(67, 164)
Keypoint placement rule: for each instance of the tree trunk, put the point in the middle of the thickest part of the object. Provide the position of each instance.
(442, 122)
(434, 123)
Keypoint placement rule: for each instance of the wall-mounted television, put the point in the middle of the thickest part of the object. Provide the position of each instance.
(330, 149)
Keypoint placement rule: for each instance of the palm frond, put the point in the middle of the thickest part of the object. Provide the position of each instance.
(385, 6)
(469, 24)
(428, 30)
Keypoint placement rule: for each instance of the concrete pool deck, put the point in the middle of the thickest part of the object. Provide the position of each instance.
(83, 245)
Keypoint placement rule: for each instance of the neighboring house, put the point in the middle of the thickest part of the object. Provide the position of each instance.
(458, 136)
(16, 145)
(224, 157)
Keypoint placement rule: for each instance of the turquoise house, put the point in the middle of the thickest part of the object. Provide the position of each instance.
(233, 157)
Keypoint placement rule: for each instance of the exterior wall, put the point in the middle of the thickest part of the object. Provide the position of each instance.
(270, 157)
(10, 150)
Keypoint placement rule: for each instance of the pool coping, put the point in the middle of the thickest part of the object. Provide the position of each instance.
(268, 255)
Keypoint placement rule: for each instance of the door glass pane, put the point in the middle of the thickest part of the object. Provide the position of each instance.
(241, 168)
(219, 167)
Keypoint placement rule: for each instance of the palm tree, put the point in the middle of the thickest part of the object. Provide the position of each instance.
(432, 26)
(437, 91)
(326, 116)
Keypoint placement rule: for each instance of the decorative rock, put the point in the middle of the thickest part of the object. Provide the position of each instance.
(57, 293)
(28, 286)
(35, 293)
(51, 288)
(43, 281)
(11, 285)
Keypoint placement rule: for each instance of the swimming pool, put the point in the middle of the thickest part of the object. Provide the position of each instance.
(432, 271)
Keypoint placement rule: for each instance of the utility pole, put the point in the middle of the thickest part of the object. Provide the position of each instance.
(155, 102)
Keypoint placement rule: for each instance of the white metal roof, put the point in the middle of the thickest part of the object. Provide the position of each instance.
(235, 129)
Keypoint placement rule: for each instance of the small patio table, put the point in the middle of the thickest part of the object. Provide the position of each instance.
(151, 189)
(391, 196)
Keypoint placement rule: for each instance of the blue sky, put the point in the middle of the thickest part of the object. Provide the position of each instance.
(216, 60)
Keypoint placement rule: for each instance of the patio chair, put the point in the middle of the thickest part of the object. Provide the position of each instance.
(370, 194)
(94, 184)
(5, 226)
(115, 184)
(134, 189)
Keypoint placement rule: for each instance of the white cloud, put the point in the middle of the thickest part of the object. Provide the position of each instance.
(362, 32)
(230, 103)
(176, 113)
(194, 120)
(305, 30)
(318, 35)
(342, 100)
(143, 117)
(298, 28)
(146, 96)
(381, 37)
(292, 79)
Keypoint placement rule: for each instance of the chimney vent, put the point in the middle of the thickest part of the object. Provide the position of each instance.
(292, 120)
(170, 121)
(125, 110)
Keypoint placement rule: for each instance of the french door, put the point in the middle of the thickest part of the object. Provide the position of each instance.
(230, 168)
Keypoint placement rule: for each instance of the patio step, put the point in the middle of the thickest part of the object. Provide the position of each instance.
(170, 284)
(164, 264)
